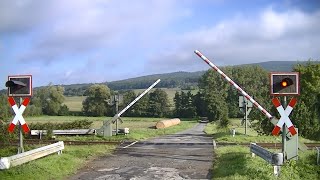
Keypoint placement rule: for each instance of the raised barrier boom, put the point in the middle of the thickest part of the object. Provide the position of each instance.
(137, 99)
(205, 59)
(106, 129)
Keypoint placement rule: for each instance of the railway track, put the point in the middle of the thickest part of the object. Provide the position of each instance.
(68, 142)
(267, 145)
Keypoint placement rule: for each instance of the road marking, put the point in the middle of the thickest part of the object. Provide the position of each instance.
(130, 145)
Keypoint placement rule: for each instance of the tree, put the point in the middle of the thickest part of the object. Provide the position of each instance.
(200, 104)
(63, 111)
(5, 109)
(96, 102)
(214, 90)
(158, 103)
(49, 98)
(177, 104)
(306, 114)
(128, 97)
(184, 106)
(140, 108)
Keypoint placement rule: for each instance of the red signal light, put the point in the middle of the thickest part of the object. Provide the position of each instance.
(284, 84)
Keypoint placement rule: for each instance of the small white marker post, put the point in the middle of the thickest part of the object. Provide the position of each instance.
(233, 132)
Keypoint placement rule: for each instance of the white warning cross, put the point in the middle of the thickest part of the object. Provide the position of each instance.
(18, 117)
(284, 116)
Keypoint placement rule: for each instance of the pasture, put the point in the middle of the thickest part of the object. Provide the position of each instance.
(74, 103)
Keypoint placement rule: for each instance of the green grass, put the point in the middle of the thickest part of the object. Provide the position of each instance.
(235, 162)
(144, 130)
(54, 166)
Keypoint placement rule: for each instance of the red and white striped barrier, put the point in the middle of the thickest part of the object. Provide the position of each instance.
(284, 116)
(265, 112)
(18, 116)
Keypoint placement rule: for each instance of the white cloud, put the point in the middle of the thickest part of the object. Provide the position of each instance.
(290, 35)
(75, 27)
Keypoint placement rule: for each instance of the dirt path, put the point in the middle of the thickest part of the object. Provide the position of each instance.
(185, 155)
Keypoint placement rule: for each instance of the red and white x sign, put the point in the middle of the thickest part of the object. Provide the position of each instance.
(18, 116)
(284, 116)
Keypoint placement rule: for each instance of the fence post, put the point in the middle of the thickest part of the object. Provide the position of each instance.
(276, 170)
(253, 154)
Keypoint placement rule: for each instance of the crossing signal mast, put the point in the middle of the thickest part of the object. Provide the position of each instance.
(282, 84)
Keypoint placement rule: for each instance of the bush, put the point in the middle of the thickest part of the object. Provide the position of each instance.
(80, 124)
(5, 136)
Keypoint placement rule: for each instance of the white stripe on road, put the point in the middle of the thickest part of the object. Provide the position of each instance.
(130, 145)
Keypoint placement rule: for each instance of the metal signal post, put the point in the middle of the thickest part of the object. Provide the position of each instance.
(19, 86)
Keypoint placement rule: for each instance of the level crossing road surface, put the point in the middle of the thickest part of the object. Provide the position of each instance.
(185, 155)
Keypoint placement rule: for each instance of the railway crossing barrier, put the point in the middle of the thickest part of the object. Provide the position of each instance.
(15, 160)
(282, 84)
(276, 159)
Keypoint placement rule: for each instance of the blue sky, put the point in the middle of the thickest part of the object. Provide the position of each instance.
(91, 41)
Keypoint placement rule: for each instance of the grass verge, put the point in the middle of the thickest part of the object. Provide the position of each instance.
(54, 166)
(235, 162)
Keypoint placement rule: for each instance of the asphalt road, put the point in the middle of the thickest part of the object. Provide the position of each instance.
(185, 155)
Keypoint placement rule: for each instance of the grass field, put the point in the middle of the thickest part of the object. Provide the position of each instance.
(74, 103)
(140, 127)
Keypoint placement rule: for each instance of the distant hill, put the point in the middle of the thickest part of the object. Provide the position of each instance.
(168, 80)
(285, 66)
(189, 80)
(183, 80)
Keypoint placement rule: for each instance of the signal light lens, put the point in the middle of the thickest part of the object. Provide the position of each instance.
(284, 84)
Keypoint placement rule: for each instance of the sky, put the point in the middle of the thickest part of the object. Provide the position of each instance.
(93, 41)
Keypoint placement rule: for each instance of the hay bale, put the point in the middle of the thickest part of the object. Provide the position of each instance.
(167, 123)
